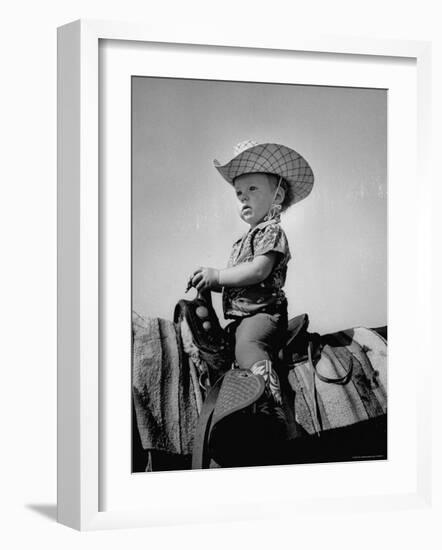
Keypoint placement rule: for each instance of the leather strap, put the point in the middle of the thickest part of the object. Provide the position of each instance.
(341, 380)
(200, 458)
(316, 416)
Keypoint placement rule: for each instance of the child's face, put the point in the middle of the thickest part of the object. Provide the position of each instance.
(255, 194)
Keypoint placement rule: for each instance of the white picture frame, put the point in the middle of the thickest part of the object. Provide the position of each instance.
(80, 293)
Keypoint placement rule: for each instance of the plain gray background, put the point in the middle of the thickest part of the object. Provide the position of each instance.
(184, 213)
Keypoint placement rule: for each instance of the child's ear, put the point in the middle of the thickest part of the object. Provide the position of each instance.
(280, 196)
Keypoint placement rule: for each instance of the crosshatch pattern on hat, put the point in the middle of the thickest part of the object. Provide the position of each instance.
(271, 158)
(243, 145)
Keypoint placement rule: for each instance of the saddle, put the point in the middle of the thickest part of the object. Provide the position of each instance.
(237, 425)
(204, 340)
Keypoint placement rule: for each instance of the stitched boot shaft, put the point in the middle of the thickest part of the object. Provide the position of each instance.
(271, 403)
(273, 387)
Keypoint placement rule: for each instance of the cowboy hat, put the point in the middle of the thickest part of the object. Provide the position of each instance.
(271, 158)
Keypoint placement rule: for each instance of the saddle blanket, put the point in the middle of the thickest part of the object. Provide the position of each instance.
(346, 386)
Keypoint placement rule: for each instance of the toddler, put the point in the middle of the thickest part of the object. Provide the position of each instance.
(267, 178)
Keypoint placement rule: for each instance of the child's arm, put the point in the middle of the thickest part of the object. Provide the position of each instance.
(245, 274)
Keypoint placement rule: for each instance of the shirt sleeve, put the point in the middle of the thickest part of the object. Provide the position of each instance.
(271, 239)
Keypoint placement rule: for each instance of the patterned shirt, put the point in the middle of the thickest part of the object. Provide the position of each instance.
(268, 295)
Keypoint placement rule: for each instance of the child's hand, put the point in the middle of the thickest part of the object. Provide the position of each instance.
(205, 278)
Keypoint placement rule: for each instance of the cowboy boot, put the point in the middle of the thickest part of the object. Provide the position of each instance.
(272, 403)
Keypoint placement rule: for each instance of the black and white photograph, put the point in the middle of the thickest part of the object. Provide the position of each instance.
(259, 274)
(221, 254)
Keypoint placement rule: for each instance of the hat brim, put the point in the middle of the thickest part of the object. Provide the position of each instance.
(272, 158)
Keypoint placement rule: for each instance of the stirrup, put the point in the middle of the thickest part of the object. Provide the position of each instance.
(234, 392)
